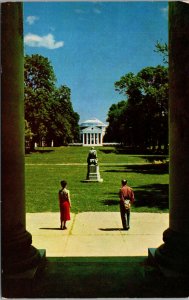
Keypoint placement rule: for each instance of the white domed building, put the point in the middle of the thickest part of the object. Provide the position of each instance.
(92, 132)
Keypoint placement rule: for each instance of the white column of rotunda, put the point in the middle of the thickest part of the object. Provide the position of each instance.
(91, 138)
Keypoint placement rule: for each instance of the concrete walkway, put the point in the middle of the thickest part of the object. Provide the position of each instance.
(96, 234)
(95, 258)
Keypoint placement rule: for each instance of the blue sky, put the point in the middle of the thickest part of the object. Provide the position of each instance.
(92, 44)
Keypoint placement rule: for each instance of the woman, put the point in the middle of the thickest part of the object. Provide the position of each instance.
(65, 204)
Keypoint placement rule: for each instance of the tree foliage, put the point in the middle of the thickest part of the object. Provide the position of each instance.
(142, 119)
(162, 49)
(28, 136)
(64, 121)
(48, 109)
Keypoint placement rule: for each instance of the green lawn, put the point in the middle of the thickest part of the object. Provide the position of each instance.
(47, 167)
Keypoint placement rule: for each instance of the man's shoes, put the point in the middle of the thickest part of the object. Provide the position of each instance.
(64, 227)
(126, 228)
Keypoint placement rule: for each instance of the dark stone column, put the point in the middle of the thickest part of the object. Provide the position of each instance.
(17, 253)
(174, 253)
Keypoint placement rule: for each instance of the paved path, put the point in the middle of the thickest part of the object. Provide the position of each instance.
(96, 234)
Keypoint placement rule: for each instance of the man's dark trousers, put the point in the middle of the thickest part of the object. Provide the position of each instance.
(125, 217)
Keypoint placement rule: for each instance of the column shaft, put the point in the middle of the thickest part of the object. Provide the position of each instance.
(83, 138)
(179, 117)
(18, 254)
(174, 253)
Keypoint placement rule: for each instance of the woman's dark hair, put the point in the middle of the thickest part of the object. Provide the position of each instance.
(63, 183)
(124, 182)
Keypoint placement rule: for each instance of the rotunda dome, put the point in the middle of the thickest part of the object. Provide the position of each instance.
(92, 122)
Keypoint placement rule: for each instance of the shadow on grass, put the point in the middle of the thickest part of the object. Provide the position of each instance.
(110, 202)
(104, 277)
(89, 181)
(157, 154)
(144, 169)
(152, 158)
(139, 151)
(149, 169)
(107, 151)
(43, 151)
(152, 195)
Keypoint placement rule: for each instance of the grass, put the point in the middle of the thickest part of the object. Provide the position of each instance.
(46, 168)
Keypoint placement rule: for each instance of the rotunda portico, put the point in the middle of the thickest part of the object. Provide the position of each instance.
(92, 132)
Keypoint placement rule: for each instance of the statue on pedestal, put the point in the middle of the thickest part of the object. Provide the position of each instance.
(92, 157)
(93, 173)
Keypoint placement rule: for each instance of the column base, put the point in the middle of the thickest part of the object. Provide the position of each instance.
(20, 285)
(172, 257)
(18, 254)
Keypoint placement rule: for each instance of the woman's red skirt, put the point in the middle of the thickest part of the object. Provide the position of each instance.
(65, 211)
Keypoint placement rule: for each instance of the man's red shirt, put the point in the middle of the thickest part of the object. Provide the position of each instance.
(126, 193)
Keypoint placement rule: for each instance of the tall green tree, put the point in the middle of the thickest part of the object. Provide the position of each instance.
(116, 118)
(142, 120)
(155, 105)
(64, 121)
(39, 79)
(48, 109)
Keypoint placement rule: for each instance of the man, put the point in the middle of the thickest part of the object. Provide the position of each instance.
(126, 195)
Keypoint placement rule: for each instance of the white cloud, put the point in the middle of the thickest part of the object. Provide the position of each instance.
(46, 41)
(79, 11)
(31, 19)
(97, 11)
(82, 11)
(164, 11)
(51, 28)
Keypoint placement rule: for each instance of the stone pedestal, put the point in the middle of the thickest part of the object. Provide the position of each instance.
(174, 253)
(93, 173)
(18, 254)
